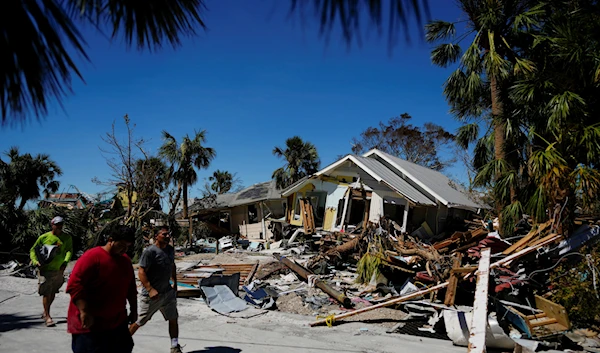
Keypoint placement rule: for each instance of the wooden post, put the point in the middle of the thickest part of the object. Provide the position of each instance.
(480, 314)
(453, 281)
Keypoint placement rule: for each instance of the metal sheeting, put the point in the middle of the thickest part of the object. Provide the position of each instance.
(437, 182)
(222, 300)
(376, 170)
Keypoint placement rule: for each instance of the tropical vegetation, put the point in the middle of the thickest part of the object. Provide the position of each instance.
(301, 159)
(184, 158)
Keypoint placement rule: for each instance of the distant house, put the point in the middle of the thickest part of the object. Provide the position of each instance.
(67, 200)
(411, 195)
(247, 212)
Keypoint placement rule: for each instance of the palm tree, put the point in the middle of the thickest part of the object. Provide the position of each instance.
(222, 181)
(560, 103)
(38, 67)
(25, 177)
(478, 91)
(185, 158)
(301, 159)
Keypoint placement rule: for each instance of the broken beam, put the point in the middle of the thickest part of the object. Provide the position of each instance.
(437, 287)
(480, 313)
(305, 274)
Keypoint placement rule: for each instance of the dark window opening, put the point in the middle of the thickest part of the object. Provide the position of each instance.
(340, 212)
(357, 212)
(252, 214)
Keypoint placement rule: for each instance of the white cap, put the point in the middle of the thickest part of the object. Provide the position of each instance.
(57, 219)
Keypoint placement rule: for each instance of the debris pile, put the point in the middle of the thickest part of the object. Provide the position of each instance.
(472, 287)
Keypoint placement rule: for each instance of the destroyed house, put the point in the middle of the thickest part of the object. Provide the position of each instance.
(246, 212)
(68, 200)
(378, 184)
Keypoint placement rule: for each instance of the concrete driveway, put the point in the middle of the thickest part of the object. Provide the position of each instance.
(201, 330)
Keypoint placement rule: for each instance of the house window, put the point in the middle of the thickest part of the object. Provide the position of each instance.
(252, 214)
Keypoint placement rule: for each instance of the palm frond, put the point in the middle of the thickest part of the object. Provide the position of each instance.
(348, 14)
(36, 64)
(538, 203)
(467, 134)
(445, 54)
(439, 30)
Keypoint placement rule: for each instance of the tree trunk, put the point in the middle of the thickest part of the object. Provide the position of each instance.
(185, 212)
(499, 138)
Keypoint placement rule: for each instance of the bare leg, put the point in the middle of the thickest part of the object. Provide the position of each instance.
(47, 302)
(173, 328)
(134, 327)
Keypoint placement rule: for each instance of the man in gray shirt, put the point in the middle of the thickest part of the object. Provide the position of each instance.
(157, 267)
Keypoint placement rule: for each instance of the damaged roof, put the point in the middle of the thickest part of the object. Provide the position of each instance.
(384, 175)
(431, 181)
(255, 193)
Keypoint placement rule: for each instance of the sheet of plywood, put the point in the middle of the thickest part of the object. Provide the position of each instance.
(553, 310)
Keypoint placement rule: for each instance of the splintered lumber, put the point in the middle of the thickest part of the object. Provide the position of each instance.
(480, 314)
(384, 304)
(305, 274)
(526, 239)
(436, 287)
(453, 281)
(553, 311)
(226, 269)
(248, 279)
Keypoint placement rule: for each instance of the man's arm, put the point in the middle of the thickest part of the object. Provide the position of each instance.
(83, 271)
(132, 300)
(32, 254)
(153, 293)
(69, 250)
(68, 253)
(174, 276)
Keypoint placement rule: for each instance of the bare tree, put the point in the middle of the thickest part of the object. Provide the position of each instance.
(139, 177)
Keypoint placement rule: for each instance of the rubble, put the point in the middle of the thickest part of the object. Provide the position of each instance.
(472, 287)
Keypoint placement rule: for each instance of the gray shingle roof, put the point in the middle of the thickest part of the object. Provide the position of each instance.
(438, 183)
(257, 192)
(395, 181)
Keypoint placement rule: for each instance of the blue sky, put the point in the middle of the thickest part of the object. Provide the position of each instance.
(253, 79)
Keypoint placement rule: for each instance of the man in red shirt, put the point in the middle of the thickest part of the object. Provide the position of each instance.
(100, 285)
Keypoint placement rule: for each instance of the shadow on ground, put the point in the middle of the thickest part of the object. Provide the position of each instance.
(9, 322)
(219, 349)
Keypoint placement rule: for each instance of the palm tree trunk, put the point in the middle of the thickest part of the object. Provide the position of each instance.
(185, 212)
(499, 137)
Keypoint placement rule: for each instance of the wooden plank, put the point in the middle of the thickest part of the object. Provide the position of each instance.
(523, 241)
(543, 239)
(553, 310)
(463, 269)
(251, 274)
(540, 231)
(537, 316)
(480, 313)
(453, 282)
(543, 322)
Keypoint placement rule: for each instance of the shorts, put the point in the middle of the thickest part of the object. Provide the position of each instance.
(166, 303)
(49, 282)
(117, 340)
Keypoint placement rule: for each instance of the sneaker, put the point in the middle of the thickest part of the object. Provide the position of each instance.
(176, 349)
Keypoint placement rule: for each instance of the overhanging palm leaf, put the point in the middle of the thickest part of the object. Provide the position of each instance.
(36, 65)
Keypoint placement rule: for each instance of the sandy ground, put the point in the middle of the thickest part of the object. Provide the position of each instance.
(201, 330)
